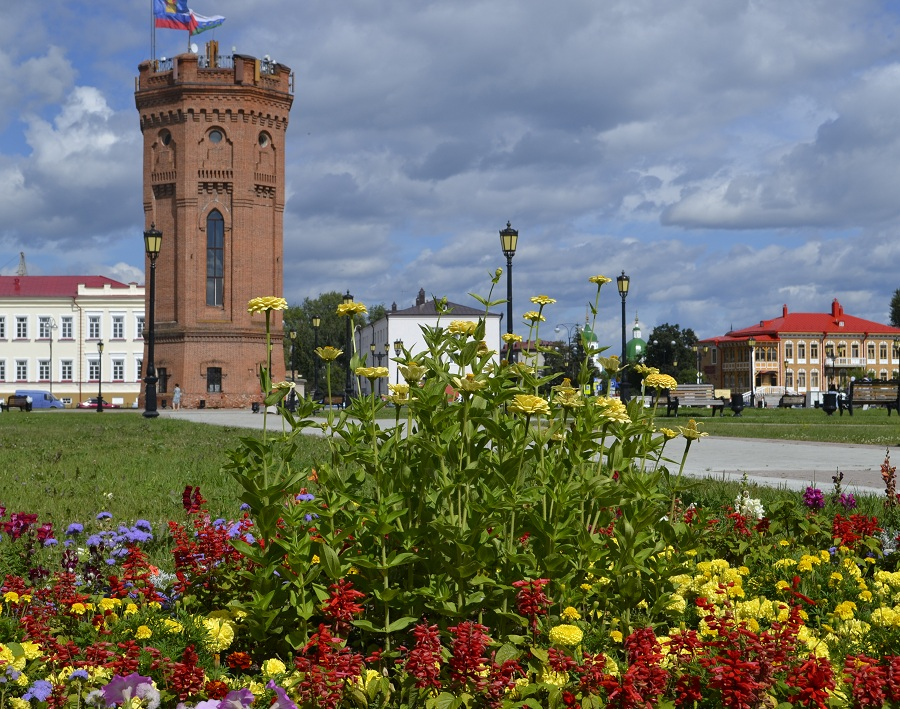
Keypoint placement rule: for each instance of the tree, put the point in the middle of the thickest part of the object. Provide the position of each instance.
(669, 349)
(895, 309)
(332, 331)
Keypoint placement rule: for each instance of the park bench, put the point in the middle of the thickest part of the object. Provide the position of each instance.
(885, 394)
(22, 403)
(693, 395)
(336, 400)
(789, 400)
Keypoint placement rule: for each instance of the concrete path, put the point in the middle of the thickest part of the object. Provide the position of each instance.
(792, 464)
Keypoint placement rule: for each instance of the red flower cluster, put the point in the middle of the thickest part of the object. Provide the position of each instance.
(847, 532)
(467, 655)
(531, 600)
(341, 606)
(192, 500)
(326, 664)
(187, 676)
(424, 661)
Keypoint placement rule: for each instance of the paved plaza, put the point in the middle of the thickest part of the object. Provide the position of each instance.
(792, 464)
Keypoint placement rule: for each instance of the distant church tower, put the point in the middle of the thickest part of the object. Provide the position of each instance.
(214, 139)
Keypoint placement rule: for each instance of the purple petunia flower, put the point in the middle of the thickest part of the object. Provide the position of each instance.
(814, 498)
(40, 690)
(282, 700)
(74, 529)
(237, 699)
(104, 515)
(120, 690)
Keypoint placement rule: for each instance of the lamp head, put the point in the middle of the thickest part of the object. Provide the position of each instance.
(152, 242)
(100, 347)
(509, 239)
(622, 283)
(398, 347)
(316, 321)
(293, 335)
(347, 297)
(372, 347)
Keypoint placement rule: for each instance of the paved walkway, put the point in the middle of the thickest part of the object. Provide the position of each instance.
(792, 464)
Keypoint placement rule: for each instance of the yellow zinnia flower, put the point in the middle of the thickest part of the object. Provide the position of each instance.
(372, 372)
(351, 308)
(655, 380)
(542, 299)
(570, 613)
(468, 383)
(690, 432)
(534, 316)
(529, 404)
(261, 305)
(599, 280)
(511, 337)
(328, 353)
(462, 327)
(219, 633)
(668, 433)
(413, 372)
(273, 667)
(613, 409)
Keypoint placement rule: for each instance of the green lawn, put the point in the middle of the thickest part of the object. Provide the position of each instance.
(872, 427)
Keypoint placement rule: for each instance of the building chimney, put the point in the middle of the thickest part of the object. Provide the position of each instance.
(836, 309)
(784, 310)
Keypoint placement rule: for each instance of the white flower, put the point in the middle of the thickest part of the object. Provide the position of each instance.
(749, 507)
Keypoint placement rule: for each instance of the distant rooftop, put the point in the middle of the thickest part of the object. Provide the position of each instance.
(52, 286)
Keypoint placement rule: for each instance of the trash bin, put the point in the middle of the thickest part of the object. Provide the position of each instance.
(737, 404)
(202, 404)
(254, 407)
(164, 403)
(829, 402)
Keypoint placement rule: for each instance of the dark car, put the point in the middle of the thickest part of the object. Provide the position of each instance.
(92, 404)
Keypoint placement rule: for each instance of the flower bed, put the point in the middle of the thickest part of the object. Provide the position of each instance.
(522, 544)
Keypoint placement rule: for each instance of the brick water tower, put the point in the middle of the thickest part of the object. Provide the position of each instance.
(214, 139)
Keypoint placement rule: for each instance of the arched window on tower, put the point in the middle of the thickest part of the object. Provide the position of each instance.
(215, 258)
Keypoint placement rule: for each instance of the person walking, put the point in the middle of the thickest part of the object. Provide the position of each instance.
(176, 398)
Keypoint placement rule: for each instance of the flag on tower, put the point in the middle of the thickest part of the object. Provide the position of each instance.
(174, 15)
(205, 23)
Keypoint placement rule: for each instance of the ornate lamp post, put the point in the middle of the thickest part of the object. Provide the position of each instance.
(316, 321)
(509, 239)
(100, 377)
(348, 387)
(622, 283)
(752, 344)
(152, 243)
(398, 350)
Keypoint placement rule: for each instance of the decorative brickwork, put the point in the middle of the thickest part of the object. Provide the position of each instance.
(214, 137)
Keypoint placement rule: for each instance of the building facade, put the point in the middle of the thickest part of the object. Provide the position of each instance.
(802, 352)
(403, 328)
(50, 329)
(214, 141)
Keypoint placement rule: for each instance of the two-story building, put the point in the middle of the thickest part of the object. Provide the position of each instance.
(51, 328)
(803, 352)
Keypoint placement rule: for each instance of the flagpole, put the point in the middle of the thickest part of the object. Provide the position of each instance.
(152, 33)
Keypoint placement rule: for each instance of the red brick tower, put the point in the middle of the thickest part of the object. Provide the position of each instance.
(214, 136)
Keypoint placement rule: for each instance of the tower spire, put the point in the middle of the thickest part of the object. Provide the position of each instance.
(23, 269)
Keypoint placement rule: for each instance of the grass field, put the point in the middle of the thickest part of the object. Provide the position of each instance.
(873, 427)
(69, 466)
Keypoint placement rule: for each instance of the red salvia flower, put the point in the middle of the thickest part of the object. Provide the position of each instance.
(467, 658)
(811, 683)
(326, 664)
(424, 661)
(341, 606)
(866, 679)
(531, 600)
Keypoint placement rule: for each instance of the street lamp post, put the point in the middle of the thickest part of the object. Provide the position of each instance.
(386, 354)
(622, 283)
(100, 377)
(398, 350)
(752, 344)
(509, 239)
(291, 396)
(152, 243)
(52, 325)
(348, 387)
(316, 321)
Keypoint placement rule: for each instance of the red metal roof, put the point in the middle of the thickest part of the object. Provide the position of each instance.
(837, 322)
(51, 286)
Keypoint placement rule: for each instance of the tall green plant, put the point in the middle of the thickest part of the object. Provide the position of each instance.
(439, 513)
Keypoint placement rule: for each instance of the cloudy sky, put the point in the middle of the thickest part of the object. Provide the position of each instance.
(730, 156)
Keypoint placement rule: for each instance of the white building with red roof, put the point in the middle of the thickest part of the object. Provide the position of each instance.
(802, 352)
(50, 331)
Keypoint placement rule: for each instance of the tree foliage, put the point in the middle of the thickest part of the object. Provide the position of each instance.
(669, 349)
(895, 309)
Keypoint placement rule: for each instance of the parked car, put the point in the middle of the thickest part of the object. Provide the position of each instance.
(41, 399)
(92, 404)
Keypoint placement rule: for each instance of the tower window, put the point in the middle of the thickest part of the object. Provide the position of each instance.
(166, 137)
(264, 140)
(215, 258)
(215, 136)
(214, 379)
